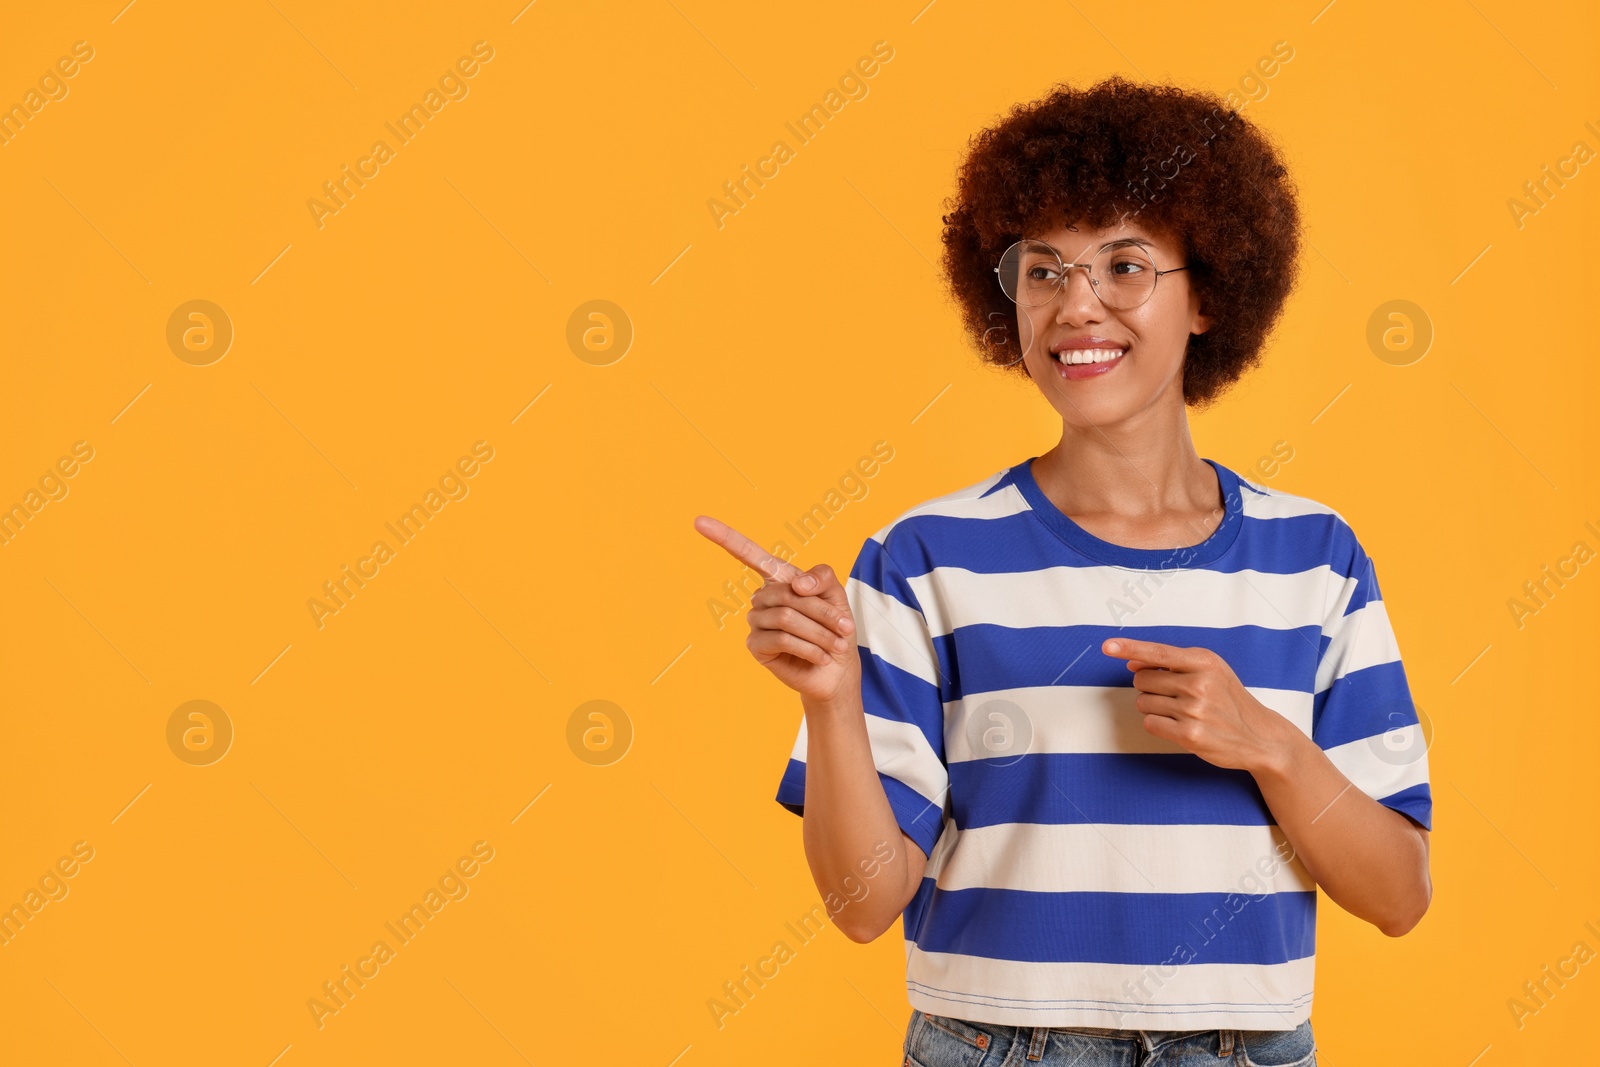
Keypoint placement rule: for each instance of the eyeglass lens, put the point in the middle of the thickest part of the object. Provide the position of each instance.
(1032, 274)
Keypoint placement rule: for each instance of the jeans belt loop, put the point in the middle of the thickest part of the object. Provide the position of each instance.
(1036, 1043)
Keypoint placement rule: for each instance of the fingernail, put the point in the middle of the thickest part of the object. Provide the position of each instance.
(1112, 646)
(805, 581)
(840, 643)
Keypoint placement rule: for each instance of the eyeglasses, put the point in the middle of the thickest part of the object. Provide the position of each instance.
(1122, 275)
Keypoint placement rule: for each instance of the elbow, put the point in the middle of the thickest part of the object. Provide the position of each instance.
(1403, 923)
(1404, 918)
(864, 921)
(1399, 928)
(862, 933)
(863, 924)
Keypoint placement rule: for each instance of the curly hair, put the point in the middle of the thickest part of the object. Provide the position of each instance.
(1180, 162)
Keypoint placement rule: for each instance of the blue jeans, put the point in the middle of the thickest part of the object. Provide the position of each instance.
(940, 1041)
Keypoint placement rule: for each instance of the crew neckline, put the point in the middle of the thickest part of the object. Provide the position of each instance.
(1095, 548)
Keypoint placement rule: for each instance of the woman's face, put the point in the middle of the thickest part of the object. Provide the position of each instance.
(1152, 337)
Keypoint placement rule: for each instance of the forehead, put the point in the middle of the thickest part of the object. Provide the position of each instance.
(1080, 235)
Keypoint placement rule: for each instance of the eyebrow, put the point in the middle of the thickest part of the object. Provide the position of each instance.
(1140, 241)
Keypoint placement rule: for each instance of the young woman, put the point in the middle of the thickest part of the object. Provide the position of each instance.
(1099, 726)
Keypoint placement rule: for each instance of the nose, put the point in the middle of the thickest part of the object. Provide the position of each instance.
(1076, 300)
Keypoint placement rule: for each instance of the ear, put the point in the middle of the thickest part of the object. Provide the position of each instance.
(1200, 323)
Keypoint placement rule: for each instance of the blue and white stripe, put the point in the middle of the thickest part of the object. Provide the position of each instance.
(1098, 875)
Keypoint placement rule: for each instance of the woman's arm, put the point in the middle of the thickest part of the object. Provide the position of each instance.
(803, 631)
(848, 818)
(1370, 859)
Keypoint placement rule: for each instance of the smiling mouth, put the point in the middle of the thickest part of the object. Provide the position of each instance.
(1074, 357)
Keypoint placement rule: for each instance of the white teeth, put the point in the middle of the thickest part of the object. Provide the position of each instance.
(1089, 355)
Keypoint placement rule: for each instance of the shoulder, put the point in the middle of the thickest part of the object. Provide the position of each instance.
(925, 527)
(1309, 523)
(1262, 501)
(941, 528)
(991, 497)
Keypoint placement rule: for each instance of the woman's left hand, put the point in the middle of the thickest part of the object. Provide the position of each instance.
(1191, 697)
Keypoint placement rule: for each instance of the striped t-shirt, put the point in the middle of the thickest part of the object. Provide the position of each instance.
(1081, 871)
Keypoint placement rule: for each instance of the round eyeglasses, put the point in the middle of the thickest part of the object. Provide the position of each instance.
(1122, 275)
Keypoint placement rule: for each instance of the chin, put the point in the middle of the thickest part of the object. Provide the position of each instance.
(1100, 403)
(1097, 413)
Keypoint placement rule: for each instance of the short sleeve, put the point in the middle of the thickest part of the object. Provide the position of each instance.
(900, 692)
(1363, 716)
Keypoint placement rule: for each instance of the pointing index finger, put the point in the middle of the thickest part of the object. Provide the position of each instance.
(746, 551)
(1151, 653)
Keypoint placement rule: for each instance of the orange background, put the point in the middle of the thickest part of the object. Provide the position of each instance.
(435, 709)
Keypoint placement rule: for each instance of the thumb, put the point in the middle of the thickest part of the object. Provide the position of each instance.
(820, 581)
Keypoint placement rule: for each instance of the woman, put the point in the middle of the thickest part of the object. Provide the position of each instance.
(1113, 713)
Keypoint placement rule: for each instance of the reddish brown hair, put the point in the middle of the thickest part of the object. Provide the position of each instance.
(1178, 162)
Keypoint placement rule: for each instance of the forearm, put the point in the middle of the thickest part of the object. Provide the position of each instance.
(849, 826)
(1370, 859)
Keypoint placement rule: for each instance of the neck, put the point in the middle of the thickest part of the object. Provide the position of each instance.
(1128, 470)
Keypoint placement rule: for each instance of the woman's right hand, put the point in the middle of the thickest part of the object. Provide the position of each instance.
(801, 627)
